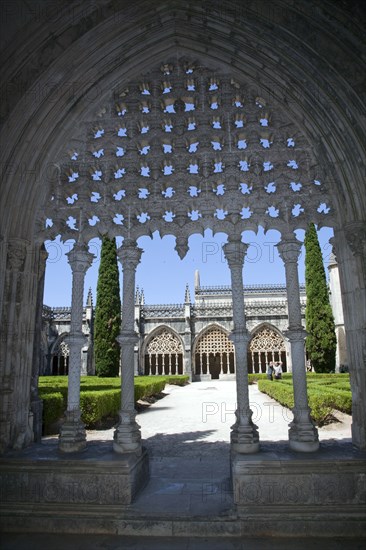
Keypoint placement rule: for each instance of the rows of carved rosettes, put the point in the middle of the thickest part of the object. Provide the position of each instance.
(184, 149)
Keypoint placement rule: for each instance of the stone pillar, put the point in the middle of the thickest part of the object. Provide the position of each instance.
(350, 249)
(187, 338)
(15, 259)
(72, 435)
(127, 436)
(303, 435)
(244, 434)
(36, 402)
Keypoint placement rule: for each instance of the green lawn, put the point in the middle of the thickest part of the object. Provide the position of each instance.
(99, 397)
(326, 392)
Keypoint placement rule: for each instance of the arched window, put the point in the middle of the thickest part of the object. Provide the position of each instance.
(164, 354)
(60, 358)
(214, 354)
(266, 346)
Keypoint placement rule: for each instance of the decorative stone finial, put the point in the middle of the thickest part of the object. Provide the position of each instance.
(187, 295)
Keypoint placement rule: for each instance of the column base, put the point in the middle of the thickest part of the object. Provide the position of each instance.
(244, 439)
(127, 436)
(72, 438)
(304, 446)
(303, 435)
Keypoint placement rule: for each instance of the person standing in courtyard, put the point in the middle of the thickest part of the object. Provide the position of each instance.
(269, 371)
(278, 370)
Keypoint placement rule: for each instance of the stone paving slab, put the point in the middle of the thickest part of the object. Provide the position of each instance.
(187, 436)
(102, 542)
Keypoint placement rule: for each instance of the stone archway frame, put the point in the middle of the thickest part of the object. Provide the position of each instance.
(151, 335)
(179, 150)
(210, 327)
(274, 329)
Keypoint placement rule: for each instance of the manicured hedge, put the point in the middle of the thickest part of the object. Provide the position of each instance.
(99, 397)
(96, 405)
(54, 405)
(323, 399)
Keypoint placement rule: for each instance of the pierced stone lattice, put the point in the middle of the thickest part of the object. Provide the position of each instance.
(62, 349)
(214, 341)
(164, 354)
(60, 358)
(165, 342)
(265, 346)
(267, 340)
(214, 354)
(181, 150)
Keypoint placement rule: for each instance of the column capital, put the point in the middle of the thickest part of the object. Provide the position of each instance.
(127, 337)
(296, 335)
(234, 252)
(17, 253)
(239, 336)
(289, 249)
(80, 259)
(76, 338)
(355, 234)
(129, 254)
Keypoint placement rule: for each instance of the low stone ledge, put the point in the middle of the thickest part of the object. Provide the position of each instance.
(81, 478)
(271, 479)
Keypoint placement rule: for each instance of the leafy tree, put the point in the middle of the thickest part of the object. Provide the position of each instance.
(107, 312)
(321, 340)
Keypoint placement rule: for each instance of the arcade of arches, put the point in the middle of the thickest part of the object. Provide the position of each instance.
(177, 117)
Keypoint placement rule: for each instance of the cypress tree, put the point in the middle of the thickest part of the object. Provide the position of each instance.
(321, 340)
(107, 312)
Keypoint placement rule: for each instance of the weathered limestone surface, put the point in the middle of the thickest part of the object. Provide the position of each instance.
(276, 493)
(48, 89)
(90, 478)
(299, 66)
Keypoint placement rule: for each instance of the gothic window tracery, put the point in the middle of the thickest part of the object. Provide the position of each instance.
(265, 346)
(164, 354)
(214, 354)
(60, 358)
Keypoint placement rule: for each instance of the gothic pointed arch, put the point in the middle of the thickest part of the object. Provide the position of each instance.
(213, 353)
(162, 352)
(266, 345)
(60, 353)
(294, 54)
(184, 148)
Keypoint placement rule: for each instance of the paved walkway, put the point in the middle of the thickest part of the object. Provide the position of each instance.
(110, 542)
(187, 435)
(202, 413)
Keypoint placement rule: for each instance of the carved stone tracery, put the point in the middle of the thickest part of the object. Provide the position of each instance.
(164, 343)
(267, 339)
(183, 149)
(214, 341)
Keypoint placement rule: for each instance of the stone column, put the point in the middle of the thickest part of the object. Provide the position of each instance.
(350, 249)
(127, 436)
(72, 435)
(36, 402)
(11, 384)
(303, 435)
(244, 434)
(187, 337)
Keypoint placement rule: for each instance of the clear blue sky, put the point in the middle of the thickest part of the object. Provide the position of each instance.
(162, 274)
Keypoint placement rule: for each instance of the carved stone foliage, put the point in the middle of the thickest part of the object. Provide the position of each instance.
(214, 341)
(266, 339)
(182, 149)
